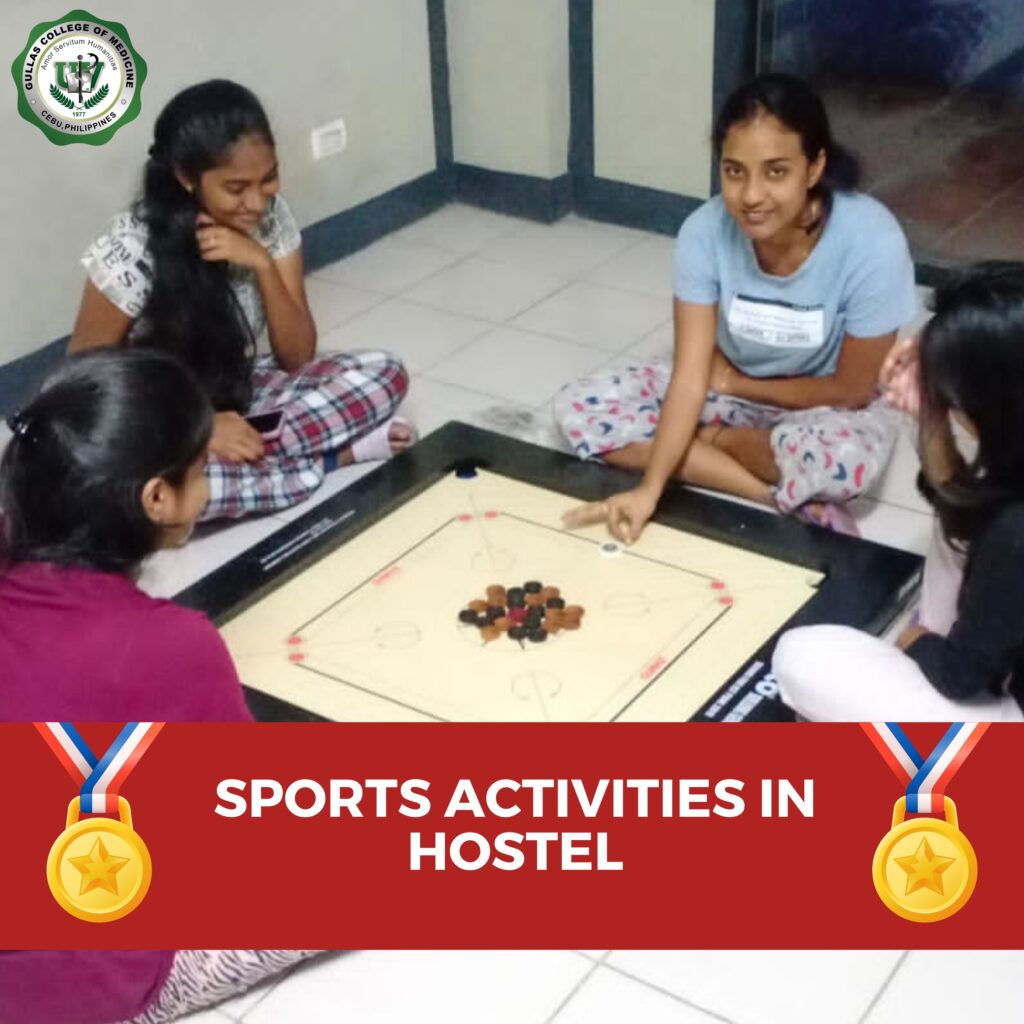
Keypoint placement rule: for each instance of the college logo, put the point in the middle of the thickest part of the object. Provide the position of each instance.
(79, 79)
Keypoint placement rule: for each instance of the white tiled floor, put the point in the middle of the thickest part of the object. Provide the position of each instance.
(492, 315)
(655, 987)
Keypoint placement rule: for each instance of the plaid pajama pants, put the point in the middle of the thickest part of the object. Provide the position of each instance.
(328, 404)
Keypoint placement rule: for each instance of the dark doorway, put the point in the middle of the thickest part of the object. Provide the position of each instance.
(930, 95)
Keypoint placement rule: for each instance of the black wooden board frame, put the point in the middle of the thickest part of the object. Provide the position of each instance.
(866, 585)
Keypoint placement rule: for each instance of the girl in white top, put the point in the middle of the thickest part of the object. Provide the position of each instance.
(208, 257)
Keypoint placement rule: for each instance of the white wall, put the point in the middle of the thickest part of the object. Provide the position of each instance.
(653, 67)
(509, 62)
(310, 62)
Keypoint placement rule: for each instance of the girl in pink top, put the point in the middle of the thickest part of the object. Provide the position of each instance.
(105, 466)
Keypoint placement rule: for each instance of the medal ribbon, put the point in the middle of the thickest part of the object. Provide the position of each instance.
(926, 777)
(101, 777)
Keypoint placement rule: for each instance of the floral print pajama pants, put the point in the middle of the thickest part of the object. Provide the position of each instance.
(823, 454)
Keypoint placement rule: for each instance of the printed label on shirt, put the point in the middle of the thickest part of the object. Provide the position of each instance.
(777, 324)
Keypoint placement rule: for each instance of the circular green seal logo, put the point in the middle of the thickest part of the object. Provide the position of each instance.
(79, 79)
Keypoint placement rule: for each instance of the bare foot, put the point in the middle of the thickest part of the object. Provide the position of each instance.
(830, 516)
(400, 435)
(386, 440)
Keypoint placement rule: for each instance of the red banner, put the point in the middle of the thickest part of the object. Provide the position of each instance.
(505, 836)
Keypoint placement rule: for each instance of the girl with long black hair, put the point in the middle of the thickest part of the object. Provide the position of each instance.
(209, 256)
(964, 658)
(104, 467)
(790, 288)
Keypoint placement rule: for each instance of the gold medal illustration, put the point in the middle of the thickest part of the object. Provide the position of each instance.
(99, 869)
(925, 869)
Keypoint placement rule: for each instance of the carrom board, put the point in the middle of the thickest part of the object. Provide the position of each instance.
(351, 613)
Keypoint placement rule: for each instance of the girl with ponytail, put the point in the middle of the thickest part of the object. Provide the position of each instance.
(209, 255)
(790, 288)
(104, 467)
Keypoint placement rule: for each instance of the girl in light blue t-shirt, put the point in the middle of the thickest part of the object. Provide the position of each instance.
(790, 288)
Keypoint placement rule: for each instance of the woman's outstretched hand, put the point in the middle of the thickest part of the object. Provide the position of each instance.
(900, 376)
(626, 514)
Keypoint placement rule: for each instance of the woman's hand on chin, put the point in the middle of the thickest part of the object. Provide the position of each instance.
(218, 242)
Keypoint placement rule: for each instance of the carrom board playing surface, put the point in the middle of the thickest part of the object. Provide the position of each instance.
(371, 631)
(352, 612)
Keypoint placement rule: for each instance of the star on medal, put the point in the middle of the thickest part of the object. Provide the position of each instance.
(99, 869)
(924, 869)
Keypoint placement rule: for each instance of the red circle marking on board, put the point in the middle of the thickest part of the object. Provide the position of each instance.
(718, 585)
(294, 640)
(725, 600)
(491, 515)
(296, 657)
(464, 518)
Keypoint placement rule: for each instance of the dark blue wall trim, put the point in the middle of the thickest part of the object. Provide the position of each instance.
(632, 206)
(736, 37)
(437, 32)
(20, 380)
(334, 237)
(581, 89)
(519, 195)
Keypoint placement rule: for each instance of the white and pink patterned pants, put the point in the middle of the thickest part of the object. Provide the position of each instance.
(823, 454)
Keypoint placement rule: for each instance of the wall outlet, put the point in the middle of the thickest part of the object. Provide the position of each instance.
(329, 139)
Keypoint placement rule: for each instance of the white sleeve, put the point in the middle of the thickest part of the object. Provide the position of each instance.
(282, 235)
(119, 266)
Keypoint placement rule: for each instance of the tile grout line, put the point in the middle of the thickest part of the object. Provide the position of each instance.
(593, 959)
(473, 391)
(504, 233)
(563, 283)
(275, 985)
(595, 966)
(486, 326)
(883, 988)
(459, 258)
(714, 1014)
(460, 350)
(586, 344)
(622, 252)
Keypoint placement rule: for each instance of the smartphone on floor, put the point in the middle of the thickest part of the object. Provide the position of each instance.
(267, 424)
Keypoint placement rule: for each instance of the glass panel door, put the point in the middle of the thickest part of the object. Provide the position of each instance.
(930, 95)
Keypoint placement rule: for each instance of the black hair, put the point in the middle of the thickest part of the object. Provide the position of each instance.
(796, 106)
(192, 308)
(82, 450)
(972, 361)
